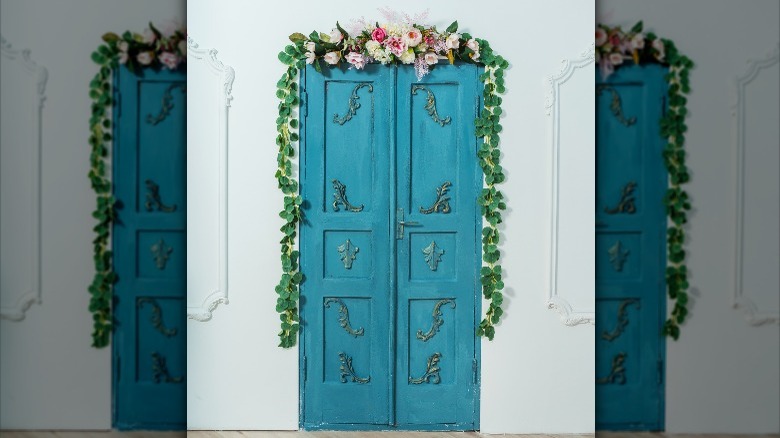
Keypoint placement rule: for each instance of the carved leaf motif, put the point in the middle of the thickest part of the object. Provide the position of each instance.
(618, 372)
(344, 317)
(618, 255)
(340, 197)
(433, 255)
(353, 104)
(437, 320)
(616, 105)
(347, 253)
(442, 204)
(347, 370)
(167, 104)
(430, 105)
(431, 371)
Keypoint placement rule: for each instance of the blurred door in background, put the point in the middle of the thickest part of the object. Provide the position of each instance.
(630, 249)
(149, 244)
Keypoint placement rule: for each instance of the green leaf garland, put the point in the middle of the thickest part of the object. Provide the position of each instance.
(338, 47)
(648, 48)
(152, 50)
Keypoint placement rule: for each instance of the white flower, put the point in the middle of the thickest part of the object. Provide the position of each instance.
(183, 48)
(310, 57)
(601, 37)
(310, 46)
(122, 57)
(431, 58)
(473, 45)
(658, 45)
(407, 57)
(638, 41)
(123, 46)
(170, 60)
(384, 56)
(372, 47)
(332, 58)
(412, 37)
(336, 36)
(475, 56)
(149, 36)
(356, 59)
(615, 58)
(145, 58)
(453, 41)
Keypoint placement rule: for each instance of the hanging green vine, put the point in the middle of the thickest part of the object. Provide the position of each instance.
(150, 49)
(614, 46)
(390, 43)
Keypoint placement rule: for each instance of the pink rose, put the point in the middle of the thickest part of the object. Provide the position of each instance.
(378, 35)
(331, 58)
(170, 60)
(615, 58)
(614, 39)
(356, 59)
(601, 37)
(145, 58)
(431, 58)
(413, 37)
(396, 45)
(429, 40)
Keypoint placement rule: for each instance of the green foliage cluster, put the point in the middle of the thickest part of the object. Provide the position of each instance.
(491, 200)
(676, 200)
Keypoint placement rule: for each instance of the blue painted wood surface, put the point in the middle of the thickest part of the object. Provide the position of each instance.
(630, 249)
(149, 244)
(388, 337)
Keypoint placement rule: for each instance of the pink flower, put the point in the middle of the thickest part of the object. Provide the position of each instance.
(378, 35)
(396, 45)
(331, 58)
(145, 58)
(601, 37)
(336, 36)
(615, 58)
(170, 60)
(357, 60)
(430, 40)
(606, 67)
(614, 39)
(453, 41)
(431, 58)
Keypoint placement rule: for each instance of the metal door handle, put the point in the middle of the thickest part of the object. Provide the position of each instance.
(402, 223)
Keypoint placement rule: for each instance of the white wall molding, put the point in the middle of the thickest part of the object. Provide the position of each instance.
(569, 314)
(753, 312)
(205, 303)
(15, 303)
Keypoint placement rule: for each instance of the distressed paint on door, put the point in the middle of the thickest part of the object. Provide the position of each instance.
(630, 239)
(149, 247)
(389, 315)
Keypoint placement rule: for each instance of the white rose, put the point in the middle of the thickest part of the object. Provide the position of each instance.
(615, 58)
(453, 41)
(336, 36)
(658, 45)
(407, 57)
(638, 41)
(332, 58)
(149, 36)
(473, 45)
(310, 46)
(372, 47)
(412, 37)
(145, 58)
(431, 58)
(475, 56)
(601, 37)
(310, 57)
(356, 59)
(123, 46)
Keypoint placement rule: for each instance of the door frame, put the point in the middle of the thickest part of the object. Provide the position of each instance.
(478, 223)
(633, 74)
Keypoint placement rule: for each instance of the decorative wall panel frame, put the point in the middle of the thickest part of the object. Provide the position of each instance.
(38, 76)
(569, 315)
(741, 299)
(224, 85)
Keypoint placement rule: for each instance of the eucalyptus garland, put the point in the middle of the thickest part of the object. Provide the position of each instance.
(614, 46)
(151, 49)
(390, 43)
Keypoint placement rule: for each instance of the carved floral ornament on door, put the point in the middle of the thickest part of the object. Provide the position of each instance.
(613, 47)
(401, 41)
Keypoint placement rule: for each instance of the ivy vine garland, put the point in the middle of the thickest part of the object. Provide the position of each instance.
(390, 43)
(613, 46)
(152, 49)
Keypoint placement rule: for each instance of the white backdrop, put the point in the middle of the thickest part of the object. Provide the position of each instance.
(723, 375)
(537, 375)
(50, 377)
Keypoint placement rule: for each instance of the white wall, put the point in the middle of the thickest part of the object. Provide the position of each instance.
(537, 376)
(723, 374)
(50, 377)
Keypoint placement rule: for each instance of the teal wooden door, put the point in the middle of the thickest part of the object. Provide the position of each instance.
(390, 249)
(630, 240)
(149, 247)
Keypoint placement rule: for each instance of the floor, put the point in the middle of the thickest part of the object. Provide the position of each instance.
(288, 434)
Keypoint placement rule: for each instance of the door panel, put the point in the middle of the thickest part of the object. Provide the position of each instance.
(630, 243)
(389, 312)
(149, 242)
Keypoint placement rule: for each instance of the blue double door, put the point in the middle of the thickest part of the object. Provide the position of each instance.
(630, 242)
(149, 247)
(390, 249)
